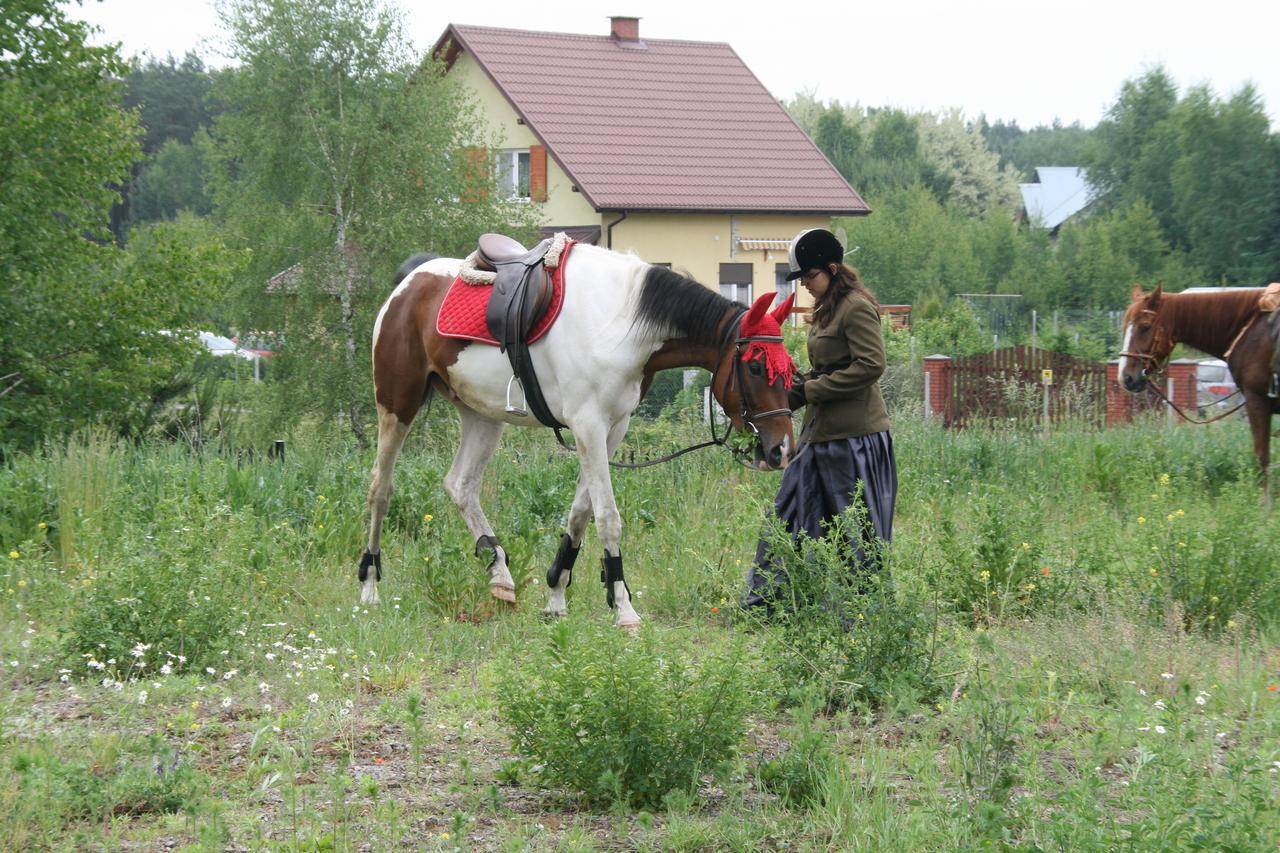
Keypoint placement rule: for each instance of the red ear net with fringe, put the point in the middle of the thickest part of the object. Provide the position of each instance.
(761, 322)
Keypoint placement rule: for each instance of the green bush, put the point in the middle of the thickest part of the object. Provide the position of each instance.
(855, 640)
(618, 717)
(148, 615)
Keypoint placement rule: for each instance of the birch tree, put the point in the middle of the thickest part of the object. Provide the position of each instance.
(338, 155)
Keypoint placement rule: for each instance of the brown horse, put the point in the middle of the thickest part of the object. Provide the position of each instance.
(621, 320)
(1226, 324)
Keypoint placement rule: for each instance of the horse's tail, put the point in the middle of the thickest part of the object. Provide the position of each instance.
(411, 265)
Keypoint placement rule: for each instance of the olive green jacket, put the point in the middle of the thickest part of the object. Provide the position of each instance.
(847, 400)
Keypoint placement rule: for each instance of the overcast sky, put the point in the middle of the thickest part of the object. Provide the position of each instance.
(1007, 59)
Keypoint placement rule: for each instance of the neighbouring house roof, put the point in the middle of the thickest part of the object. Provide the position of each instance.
(1061, 193)
(657, 125)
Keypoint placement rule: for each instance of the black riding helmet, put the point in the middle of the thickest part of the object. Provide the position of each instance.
(813, 250)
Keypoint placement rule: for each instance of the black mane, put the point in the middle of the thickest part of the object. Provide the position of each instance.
(678, 304)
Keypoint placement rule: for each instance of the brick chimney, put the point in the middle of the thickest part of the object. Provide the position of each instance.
(625, 32)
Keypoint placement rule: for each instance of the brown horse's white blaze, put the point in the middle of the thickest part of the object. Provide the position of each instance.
(1224, 324)
(621, 321)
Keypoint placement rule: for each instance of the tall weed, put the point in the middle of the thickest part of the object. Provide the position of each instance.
(624, 719)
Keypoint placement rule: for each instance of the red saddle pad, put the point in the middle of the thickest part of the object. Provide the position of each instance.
(462, 312)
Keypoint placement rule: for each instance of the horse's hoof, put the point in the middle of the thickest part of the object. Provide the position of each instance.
(502, 592)
(633, 627)
(556, 614)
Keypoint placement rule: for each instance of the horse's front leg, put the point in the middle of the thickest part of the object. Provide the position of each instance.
(480, 437)
(391, 435)
(595, 448)
(560, 575)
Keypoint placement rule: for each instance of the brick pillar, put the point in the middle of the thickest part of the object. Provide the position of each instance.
(937, 383)
(1120, 403)
(1183, 373)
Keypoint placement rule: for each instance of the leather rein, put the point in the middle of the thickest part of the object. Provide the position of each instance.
(748, 414)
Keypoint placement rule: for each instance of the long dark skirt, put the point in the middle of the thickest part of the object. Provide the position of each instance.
(817, 488)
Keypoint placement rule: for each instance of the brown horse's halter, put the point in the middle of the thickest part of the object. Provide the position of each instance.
(1151, 363)
(1152, 366)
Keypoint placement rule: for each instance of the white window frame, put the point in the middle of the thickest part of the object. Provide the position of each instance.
(509, 176)
(740, 293)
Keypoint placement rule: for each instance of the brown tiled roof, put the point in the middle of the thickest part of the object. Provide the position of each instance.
(657, 125)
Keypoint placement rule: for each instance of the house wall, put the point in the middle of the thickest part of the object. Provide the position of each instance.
(695, 243)
(700, 243)
(563, 206)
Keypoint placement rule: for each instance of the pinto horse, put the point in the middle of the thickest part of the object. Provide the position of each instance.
(1226, 324)
(621, 320)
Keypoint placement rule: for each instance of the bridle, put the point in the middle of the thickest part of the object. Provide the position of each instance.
(749, 416)
(1151, 363)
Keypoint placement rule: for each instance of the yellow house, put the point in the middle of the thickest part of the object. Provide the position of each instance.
(669, 149)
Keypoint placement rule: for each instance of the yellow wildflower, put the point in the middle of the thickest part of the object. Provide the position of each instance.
(985, 575)
(1141, 520)
(1164, 479)
(14, 555)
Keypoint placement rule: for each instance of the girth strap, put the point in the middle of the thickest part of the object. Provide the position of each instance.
(521, 294)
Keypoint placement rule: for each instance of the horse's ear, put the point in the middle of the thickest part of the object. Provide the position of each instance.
(758, 309)
(1155, 294)
(1137, 292)
(783, 311)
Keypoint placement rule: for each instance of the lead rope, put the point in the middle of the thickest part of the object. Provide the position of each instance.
(730, 328)
(1155, 389)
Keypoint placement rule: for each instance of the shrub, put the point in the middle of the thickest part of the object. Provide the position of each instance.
(854, 640)
(148, 613)
(617, 718)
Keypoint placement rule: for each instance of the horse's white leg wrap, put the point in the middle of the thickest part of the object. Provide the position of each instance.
(480, 437)
(391, 436)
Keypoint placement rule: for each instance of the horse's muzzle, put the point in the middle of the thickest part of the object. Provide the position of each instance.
(1134, 383)
(775, 457)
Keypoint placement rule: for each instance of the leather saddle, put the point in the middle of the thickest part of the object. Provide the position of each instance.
(522, 293)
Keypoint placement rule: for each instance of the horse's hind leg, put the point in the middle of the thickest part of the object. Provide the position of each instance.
(391, 436)
(480, 437)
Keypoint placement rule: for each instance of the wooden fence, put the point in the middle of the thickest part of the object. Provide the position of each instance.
(1008, 386)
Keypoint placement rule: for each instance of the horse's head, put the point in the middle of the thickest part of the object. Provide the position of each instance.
(752, 382)
(1146, 342)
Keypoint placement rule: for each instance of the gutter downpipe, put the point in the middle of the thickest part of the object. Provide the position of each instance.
(610, 231)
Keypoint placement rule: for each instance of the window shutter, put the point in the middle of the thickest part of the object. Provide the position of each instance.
(537, 173)
(475, 174)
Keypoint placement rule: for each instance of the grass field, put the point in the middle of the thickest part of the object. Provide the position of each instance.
(1078, 652)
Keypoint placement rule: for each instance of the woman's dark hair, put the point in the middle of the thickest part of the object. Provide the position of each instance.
(846, 280)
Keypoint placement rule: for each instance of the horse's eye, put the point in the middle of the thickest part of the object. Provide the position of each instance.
(755, 368)
(1144, 329)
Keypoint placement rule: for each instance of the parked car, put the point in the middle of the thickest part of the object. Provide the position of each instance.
(1214, 382)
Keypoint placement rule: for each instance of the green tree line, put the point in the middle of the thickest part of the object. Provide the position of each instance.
(1185, 189)
(150, 198)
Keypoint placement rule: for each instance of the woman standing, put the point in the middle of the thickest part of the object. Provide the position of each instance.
(848, 427)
